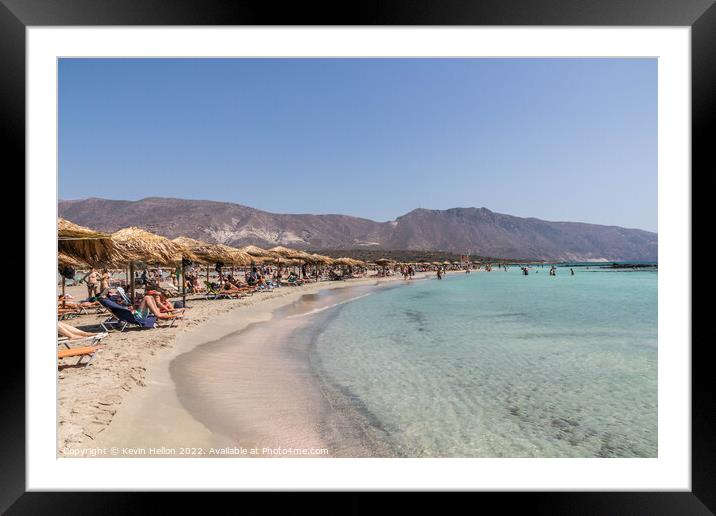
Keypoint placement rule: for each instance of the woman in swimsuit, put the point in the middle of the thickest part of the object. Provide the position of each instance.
(91, 278)
(104, 280)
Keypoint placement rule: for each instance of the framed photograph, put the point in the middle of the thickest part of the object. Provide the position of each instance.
(434, 247)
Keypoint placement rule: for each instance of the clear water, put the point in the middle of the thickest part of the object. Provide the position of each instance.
(502, 365)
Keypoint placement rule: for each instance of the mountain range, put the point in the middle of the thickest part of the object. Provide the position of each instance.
(475, 231)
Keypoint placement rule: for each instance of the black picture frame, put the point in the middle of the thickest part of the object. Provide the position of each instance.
(700, 15)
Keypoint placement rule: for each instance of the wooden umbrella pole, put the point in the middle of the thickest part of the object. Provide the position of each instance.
(63, 292)
(131, 281)
(183, 285)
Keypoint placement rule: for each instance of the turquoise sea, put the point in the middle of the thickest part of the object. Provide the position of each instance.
(498, 364)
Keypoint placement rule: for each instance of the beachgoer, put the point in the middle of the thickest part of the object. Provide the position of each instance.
(572, 271)
(149, 305)
(161, 300)
(92, 279)
(104, 280)
(73, 333)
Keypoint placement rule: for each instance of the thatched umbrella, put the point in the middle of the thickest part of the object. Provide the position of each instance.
(65, 260)
(83, 244)
(285, 251)
(208, 254)
(135, 244)
(316, 260)
(319, 258)
(256, 252)
(346, 262)
(294, 254)
(236, 257)
(285, 256)
(384, 262)
(78, 245)
(138, 245)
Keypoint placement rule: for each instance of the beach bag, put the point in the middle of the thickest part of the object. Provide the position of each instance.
(67, 272)
(178, 304)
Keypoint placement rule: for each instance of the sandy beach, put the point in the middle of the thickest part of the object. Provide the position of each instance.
(127, 397)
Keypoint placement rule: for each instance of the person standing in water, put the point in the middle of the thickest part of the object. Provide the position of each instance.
(440, 273)
(572, 271)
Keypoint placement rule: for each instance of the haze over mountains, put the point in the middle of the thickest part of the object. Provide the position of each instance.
(477, 231)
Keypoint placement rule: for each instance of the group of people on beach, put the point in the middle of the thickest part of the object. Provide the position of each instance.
(408, 272)
(96, 281)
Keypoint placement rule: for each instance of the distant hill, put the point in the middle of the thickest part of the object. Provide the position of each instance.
(476, 231)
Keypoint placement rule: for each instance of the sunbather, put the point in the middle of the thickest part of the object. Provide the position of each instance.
(73, 333)
(162, 302)
(104, 280)
(149, 305)
(293, 279)
(70, 303)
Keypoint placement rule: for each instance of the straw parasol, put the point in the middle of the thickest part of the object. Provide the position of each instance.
(135, 244)
(209, 254)
(384, 261)
(256, 252)
(237, 256)
(64, 260)
(288, 253)
(291, 262)
(83, 244)
(344, 261)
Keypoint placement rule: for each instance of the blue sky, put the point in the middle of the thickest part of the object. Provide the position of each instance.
(557, 139)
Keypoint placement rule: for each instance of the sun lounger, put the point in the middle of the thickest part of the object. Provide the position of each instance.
(124, 296)
(88, 351)
(66, 313)
(213, 293)
(95, 339)
(122, 317)
(83, 307)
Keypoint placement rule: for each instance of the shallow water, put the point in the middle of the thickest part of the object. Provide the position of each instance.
(500, 365)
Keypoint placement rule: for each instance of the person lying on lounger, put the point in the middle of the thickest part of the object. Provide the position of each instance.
(163, 303)
(73, 333)
(149, 305)
(69, 302)
(293, 278)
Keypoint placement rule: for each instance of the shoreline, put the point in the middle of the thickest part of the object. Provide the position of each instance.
(101, 407)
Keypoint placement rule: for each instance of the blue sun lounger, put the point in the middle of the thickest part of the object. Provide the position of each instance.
(123, 317)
